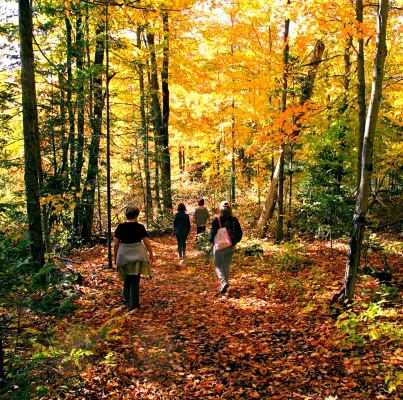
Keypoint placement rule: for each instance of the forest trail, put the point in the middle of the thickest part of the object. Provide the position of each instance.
(270, 337)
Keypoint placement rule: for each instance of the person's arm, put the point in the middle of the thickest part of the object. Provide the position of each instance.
(188, 223)
(213, 231)
(116, 243)
(149, 248)
(238, 231)
(174, 224)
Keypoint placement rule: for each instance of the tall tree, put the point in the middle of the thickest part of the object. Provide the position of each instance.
(165, 154)
(160, 114)
(361, 86)
(96, 126)
(32, 155)
(144, 131)
(281, 156)
(366, 165)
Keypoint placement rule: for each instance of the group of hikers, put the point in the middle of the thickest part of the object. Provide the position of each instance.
(133, 252)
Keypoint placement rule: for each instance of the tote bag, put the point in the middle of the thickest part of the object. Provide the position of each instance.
(222, 238)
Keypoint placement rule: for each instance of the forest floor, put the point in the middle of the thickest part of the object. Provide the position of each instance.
(272, 336)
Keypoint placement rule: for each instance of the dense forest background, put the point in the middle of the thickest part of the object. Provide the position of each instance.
(291, 110)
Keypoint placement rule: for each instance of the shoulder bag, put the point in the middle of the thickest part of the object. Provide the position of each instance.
(222, 238)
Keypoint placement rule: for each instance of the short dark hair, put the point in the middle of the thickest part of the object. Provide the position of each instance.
(181, 207)
(132, 212)
(201, 202)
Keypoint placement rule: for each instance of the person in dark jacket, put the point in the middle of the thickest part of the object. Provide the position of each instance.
(223, 257)
(181, 223)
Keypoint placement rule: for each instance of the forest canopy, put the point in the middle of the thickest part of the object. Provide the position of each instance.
(200, 96)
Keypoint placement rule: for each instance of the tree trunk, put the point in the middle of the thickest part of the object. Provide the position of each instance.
(361, 205)
(77, 143)
(361, 87)
(144, 134)
(160, 119)
(96, 125)
(280, 198)
(32, 174)
(233, 167)
(156, 117)
(271, 198)
(165, 154)
(280, 183)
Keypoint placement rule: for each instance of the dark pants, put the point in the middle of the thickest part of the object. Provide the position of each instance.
(131, 291)
(200, 229)
(181, 245)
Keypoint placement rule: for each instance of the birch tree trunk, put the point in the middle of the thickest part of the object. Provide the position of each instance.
(281, 156)
(361, 205)
(361, 87)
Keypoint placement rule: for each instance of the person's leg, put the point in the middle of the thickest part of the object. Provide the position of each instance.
(181, 246)
(134, 299)
(178, 239)
(227, 261)
(218, 266)
(126, 289)
(222, 262)
(184, 247)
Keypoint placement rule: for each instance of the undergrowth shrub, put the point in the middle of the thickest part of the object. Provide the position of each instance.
(325, 216)
(52, 291)
(373, 322)
(291, 256)
(203, 245)
(23, 293)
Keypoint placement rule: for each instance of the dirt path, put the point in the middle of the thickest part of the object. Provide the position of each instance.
(266, 339)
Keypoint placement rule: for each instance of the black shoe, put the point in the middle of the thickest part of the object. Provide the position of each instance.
(125, 301)
(224, 289)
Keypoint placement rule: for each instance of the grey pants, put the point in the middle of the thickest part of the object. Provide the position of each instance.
(222, 263)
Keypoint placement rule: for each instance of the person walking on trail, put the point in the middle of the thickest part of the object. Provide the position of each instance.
(181, 226)
(133, 255)
(223, 257)
(200, 216)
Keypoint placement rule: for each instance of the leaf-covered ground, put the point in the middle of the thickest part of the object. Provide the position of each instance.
(271, 337)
